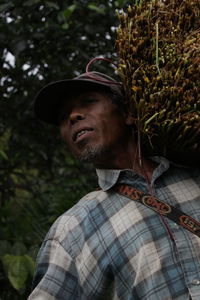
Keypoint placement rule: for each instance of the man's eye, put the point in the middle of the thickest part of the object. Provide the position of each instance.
(63, 117)
(90, 100)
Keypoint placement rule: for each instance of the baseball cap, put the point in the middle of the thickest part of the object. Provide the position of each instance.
(50, 98)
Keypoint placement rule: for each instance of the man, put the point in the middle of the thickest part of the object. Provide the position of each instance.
(108, 246)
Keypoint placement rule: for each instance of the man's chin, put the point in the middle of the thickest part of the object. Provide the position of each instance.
(91, 154)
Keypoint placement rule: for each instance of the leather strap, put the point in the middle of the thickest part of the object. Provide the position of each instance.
(160, 207)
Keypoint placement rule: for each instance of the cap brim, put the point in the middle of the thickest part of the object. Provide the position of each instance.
(50, 97)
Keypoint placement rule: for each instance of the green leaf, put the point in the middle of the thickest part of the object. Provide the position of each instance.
(120, 3)
(65, 26)
(68, 12)
(3, 155)
(6, 6)
(18, 46)
(19, 248)
(16, 269)
(31, 2)
(5, 248)
(99, 10)
(52, 5)
(30, 264)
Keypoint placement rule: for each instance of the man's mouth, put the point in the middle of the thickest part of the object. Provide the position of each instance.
(83, 132)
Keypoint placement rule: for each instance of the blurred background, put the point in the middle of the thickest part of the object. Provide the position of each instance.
(42, 41)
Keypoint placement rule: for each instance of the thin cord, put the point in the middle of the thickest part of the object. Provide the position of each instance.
(91, 75)
(99, 58)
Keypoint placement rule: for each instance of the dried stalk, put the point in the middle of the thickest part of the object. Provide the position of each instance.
(158, 45)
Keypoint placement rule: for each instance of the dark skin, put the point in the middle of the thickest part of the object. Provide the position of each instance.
(93, 124)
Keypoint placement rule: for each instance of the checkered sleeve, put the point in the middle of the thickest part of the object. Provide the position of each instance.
(56, 276)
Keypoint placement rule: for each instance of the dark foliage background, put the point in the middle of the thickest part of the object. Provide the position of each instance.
(41, 41)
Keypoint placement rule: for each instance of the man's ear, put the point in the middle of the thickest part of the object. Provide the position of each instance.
(130, 120)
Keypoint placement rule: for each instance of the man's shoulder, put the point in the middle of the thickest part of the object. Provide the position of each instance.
(72, 219)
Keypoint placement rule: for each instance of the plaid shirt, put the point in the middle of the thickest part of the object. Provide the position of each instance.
(110, 247)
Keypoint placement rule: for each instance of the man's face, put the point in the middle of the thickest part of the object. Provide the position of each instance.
(93, 126)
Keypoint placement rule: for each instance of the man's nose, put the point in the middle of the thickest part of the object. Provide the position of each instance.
(76, 117)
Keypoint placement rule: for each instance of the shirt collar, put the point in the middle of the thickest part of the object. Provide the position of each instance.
(107, 178)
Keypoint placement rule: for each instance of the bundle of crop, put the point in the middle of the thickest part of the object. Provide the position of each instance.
(158, 45)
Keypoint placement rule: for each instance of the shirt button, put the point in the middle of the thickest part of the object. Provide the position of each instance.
(176, 226)
(196, 281)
